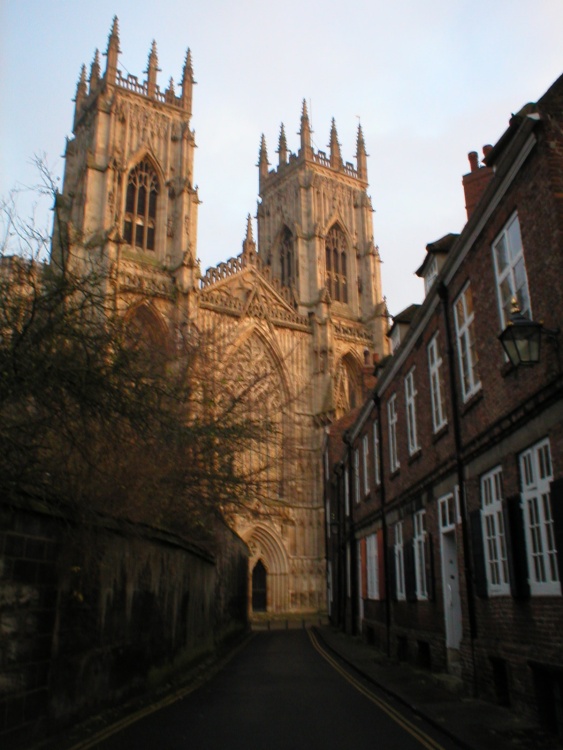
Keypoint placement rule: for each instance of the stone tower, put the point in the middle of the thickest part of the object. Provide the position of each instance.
(315, 232)
(303, 308)
(128, 184)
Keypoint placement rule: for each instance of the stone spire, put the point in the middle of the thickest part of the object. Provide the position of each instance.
(282, 147)
(81, 88)
(306, 151)
(112, 52)
(263, 159)
(81, 94)
(248, 245)
(151, 71)
(187, 84)
(335, 155)
(361, 156)
(94, 72)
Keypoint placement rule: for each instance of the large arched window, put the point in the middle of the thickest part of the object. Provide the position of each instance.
(286, 257)
(140, 206)
(336, 264)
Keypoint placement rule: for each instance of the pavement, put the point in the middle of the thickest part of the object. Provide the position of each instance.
(439, 699)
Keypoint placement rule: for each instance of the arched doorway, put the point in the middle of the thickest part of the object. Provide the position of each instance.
(259, 587)
(268, 579)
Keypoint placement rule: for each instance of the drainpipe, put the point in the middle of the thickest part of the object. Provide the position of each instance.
(377, 402)
(467, 558)
(349, 539)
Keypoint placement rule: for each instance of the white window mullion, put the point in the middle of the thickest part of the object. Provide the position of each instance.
(399, 561)
(492, 524)
(392, 419)
(466, 344)
(536, 475)
(437, 392)
(365, 456)
(376, 468)
(410, 401)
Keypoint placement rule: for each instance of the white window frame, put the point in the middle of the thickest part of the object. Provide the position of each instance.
(399, 551)
(410, 408)
(512, 279)
(392, 419)
(437, 390)
(464, 316)
(357, 475)
(419, 548)
(365, 457)
(449, 510)
(346, 491)
(494, 534)
(536, 474)
(372, 568)
(431, 274)
(376, 466)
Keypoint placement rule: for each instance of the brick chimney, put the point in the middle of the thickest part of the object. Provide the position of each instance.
(475, 182)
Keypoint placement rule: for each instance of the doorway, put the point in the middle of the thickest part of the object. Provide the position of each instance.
(259, 587)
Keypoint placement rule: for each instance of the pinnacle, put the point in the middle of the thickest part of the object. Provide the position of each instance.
(263, 150)
(249, 235)
(153, 56)
(114, 33)
(95, 67)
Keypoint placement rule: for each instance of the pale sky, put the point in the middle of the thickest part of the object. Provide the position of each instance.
(431, 80)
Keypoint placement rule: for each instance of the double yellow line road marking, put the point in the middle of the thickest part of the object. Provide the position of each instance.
(424, 739)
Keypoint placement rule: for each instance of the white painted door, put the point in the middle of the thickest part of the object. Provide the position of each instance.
(452, 600)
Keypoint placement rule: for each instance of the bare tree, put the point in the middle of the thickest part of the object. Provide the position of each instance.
(93, 418)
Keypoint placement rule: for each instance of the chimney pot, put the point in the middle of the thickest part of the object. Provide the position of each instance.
(473, 160)
(487, 149)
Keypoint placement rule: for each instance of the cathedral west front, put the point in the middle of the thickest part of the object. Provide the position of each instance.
(302, 301)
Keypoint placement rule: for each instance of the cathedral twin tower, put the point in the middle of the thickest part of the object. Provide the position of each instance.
(306, 299)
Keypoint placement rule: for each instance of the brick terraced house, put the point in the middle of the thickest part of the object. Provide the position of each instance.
(444, 497)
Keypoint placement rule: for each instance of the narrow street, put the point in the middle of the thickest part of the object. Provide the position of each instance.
(280, 693)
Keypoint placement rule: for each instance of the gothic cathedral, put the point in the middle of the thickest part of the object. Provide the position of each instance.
(305, 301)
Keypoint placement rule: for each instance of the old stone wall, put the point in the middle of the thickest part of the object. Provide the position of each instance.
(92, 615)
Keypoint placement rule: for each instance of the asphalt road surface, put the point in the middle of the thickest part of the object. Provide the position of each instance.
(280, 693)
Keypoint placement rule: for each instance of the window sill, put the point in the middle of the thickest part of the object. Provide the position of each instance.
(415, 456)
(471, 402)
(444, 429)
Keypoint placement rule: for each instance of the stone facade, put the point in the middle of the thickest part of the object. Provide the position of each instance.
(306, 304)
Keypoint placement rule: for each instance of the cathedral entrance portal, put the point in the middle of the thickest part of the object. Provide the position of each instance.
(259, 587)
(269, 580)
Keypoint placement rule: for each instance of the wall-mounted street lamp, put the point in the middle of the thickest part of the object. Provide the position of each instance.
(521, 339)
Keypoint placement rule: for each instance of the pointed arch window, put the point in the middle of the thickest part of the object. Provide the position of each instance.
(286, 258)
(140, 206)
(336, 264)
